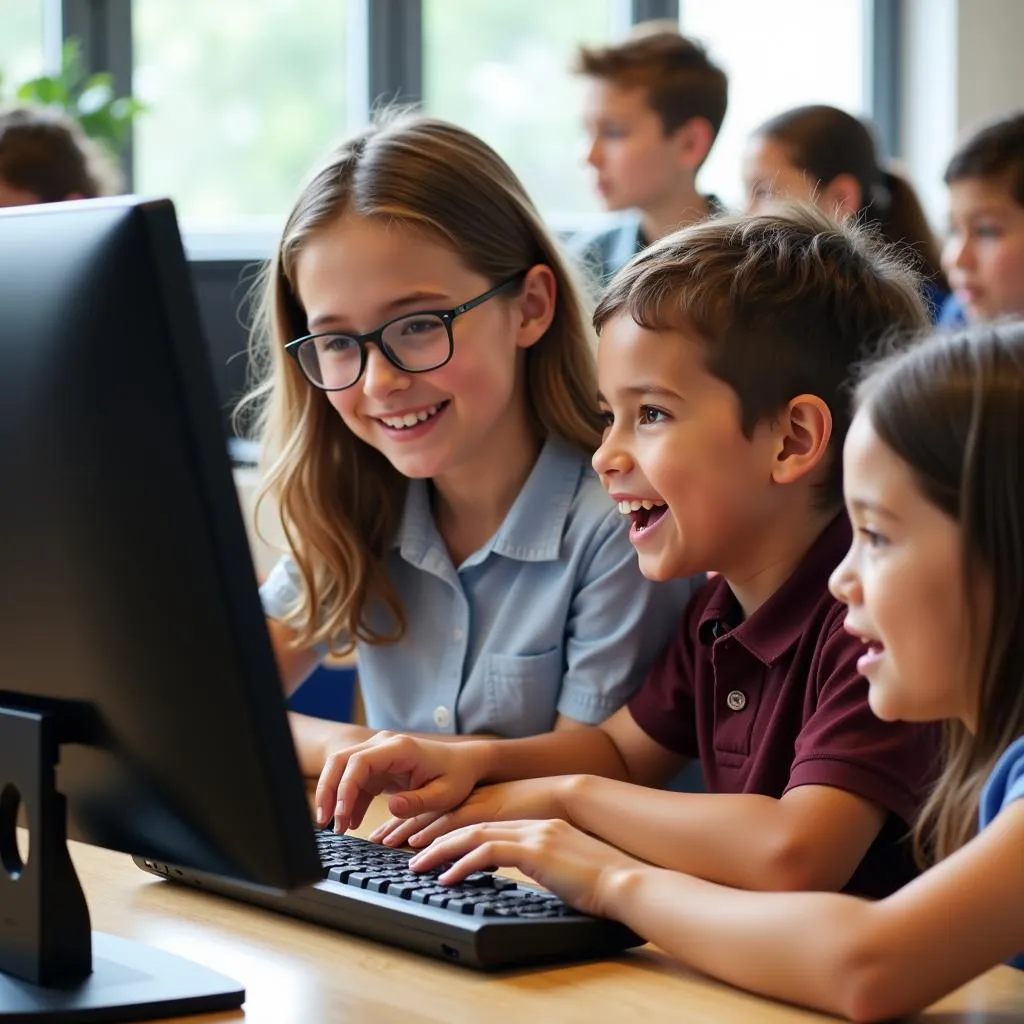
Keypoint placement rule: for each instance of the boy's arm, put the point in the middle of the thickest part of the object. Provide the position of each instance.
(429, 776)
(813, 838)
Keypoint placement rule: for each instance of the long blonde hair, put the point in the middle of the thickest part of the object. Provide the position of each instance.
(340, 501)
(952, 409)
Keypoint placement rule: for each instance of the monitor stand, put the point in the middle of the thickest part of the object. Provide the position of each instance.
(53, 968)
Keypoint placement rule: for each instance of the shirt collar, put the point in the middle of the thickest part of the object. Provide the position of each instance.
(779, 623)
(533, 527)
(630, 240)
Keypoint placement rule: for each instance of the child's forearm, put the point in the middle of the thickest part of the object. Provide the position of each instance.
(316, 739)
(735, 839)
(802, 948)
(587, 750)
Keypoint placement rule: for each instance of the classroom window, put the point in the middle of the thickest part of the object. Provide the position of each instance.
(21, 43)
(501, 69)
(243, 99)
(778, 55)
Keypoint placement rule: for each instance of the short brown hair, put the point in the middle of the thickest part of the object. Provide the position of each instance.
(995, 151)
(786, 304)
(681, 80)
(45, 152)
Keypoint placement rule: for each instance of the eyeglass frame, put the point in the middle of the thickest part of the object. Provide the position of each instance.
(446, 316)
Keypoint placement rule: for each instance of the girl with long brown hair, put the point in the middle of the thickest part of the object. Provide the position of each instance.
(826, 156)
(427, 411)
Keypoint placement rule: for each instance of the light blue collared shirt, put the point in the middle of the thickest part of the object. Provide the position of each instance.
(551, 616)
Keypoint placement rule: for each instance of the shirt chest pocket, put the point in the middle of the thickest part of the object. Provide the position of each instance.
(522, 692)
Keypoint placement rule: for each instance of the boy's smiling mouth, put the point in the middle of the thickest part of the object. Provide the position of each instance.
(645, 514)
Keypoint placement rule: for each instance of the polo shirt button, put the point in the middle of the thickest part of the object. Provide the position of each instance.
(442, 717)
(737, 700)
(457, 635)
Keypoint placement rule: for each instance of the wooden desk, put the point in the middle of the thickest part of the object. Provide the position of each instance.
(302, 973)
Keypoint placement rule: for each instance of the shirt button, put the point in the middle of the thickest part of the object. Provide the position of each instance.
(737, 700)
(457, 635)
(442, 717)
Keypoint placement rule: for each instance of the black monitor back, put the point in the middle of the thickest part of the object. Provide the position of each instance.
(126, 586)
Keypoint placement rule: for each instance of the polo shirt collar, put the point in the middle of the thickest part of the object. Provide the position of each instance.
(531, 531)
(779, 623)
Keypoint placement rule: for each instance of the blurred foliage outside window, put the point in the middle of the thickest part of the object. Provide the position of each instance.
(503, 70)
(243, 99)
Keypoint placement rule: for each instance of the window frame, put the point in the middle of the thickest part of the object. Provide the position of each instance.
(385, 50)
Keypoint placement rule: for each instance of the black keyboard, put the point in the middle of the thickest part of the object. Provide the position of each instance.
(486, 921)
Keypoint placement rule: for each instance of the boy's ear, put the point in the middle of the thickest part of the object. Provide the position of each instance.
(842, 196)
(693, 140)
(536, 305)
(802, 434)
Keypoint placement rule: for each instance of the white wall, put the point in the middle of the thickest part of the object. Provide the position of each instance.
(962, 63)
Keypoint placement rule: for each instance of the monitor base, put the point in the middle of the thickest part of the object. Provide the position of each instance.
(130, 981)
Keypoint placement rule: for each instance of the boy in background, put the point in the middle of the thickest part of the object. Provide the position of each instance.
(653, 108)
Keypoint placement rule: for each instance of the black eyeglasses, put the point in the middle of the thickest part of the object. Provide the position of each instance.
(414, 342)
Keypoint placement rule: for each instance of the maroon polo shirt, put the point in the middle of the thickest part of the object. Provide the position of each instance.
(775, 702)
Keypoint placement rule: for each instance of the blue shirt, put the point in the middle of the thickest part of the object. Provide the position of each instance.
(604, 253)
(951, 314)
(1004, 785)
(551, 616)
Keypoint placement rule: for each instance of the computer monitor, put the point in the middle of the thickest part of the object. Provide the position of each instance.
(138, 689)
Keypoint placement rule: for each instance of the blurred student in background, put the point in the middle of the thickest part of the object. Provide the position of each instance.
(824, 155)
(984, 253)
(654, 105)
(45, 157)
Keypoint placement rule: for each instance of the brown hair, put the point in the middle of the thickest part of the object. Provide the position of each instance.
(953, 410)
(682, 82)
(339, 499)
(994, 151)
(785, 304)
(45, 152)
(825, 142)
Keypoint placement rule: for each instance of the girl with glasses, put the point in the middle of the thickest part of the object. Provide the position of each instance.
(427, 411)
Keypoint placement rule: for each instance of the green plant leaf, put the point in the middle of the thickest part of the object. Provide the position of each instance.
(97, 95)
(72, 67)
(45, 90)
(91, 100)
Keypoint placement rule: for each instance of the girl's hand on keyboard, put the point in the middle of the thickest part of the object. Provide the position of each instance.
(575, 866)
(529, 798)
(424, 775)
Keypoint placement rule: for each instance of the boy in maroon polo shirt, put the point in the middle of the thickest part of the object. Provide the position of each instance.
(724, 353)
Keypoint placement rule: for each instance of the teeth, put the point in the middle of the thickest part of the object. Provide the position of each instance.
(625, 507)
(410, 419)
